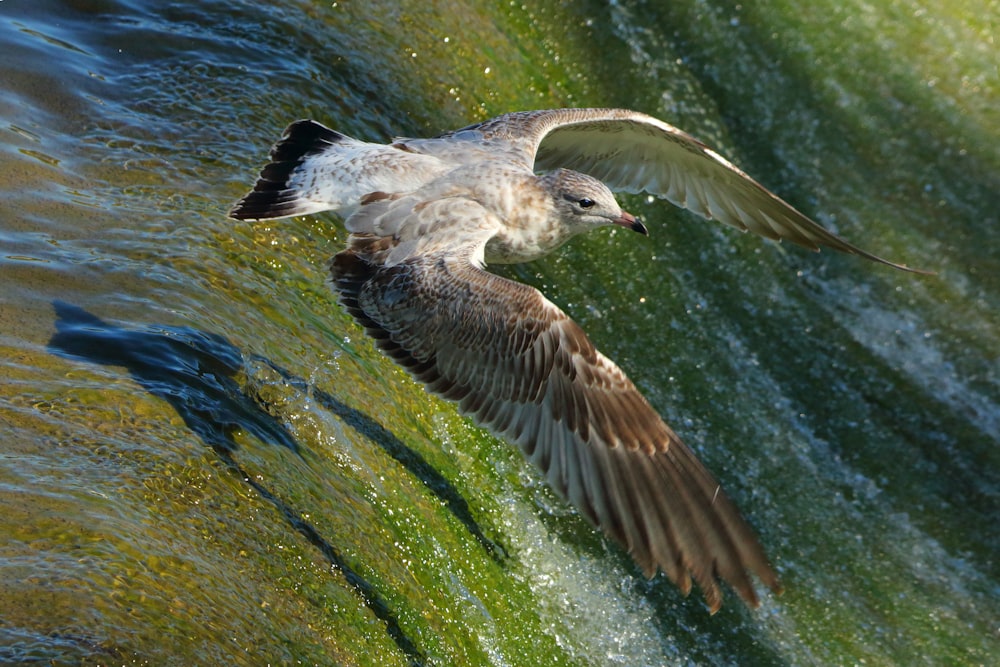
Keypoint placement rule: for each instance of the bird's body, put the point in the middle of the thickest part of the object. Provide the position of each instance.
(426, 215)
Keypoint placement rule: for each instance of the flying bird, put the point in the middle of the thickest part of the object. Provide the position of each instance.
(426, 216)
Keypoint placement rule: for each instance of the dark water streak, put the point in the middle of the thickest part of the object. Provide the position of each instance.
(195, 372)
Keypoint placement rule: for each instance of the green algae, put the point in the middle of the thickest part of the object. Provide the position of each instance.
(849, 410)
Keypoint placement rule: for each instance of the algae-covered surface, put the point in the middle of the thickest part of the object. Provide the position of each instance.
(204, 461)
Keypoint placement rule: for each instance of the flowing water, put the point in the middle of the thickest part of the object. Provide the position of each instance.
(204, 461)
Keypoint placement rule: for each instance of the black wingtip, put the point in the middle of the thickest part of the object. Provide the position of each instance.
(269, 205)
(302, 138)
(273, 195)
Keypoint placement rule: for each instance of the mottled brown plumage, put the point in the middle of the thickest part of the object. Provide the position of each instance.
(426, 215)
(522, 368)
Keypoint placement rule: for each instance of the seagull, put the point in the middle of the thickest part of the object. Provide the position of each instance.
(425, 218)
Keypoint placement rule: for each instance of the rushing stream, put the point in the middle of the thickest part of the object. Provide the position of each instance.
(204, 461)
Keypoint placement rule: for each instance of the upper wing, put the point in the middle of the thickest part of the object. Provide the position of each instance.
(633, 152)
(518, 365)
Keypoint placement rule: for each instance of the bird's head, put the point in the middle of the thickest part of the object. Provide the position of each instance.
(583, 202)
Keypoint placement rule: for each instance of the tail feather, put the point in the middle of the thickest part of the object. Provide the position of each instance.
(273, 195)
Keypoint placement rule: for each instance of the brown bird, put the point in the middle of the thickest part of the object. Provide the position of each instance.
(427, 215)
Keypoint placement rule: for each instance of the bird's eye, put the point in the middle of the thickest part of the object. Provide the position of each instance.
(586, 203)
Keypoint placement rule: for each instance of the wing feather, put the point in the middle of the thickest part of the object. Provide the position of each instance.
(519, 366)
(633, 152)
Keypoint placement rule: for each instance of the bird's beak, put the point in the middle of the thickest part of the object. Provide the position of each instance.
(635, 224)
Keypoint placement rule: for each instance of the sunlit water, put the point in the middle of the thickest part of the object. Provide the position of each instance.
(204, 461)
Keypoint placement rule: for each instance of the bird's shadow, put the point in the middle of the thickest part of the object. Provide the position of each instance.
(196, 373)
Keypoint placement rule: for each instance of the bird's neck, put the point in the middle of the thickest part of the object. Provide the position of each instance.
(531, 227)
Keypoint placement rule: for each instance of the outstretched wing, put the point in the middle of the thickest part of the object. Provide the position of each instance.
(518, 365)
(633, 152)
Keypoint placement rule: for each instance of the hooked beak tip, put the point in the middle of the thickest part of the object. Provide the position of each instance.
(635, 224)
